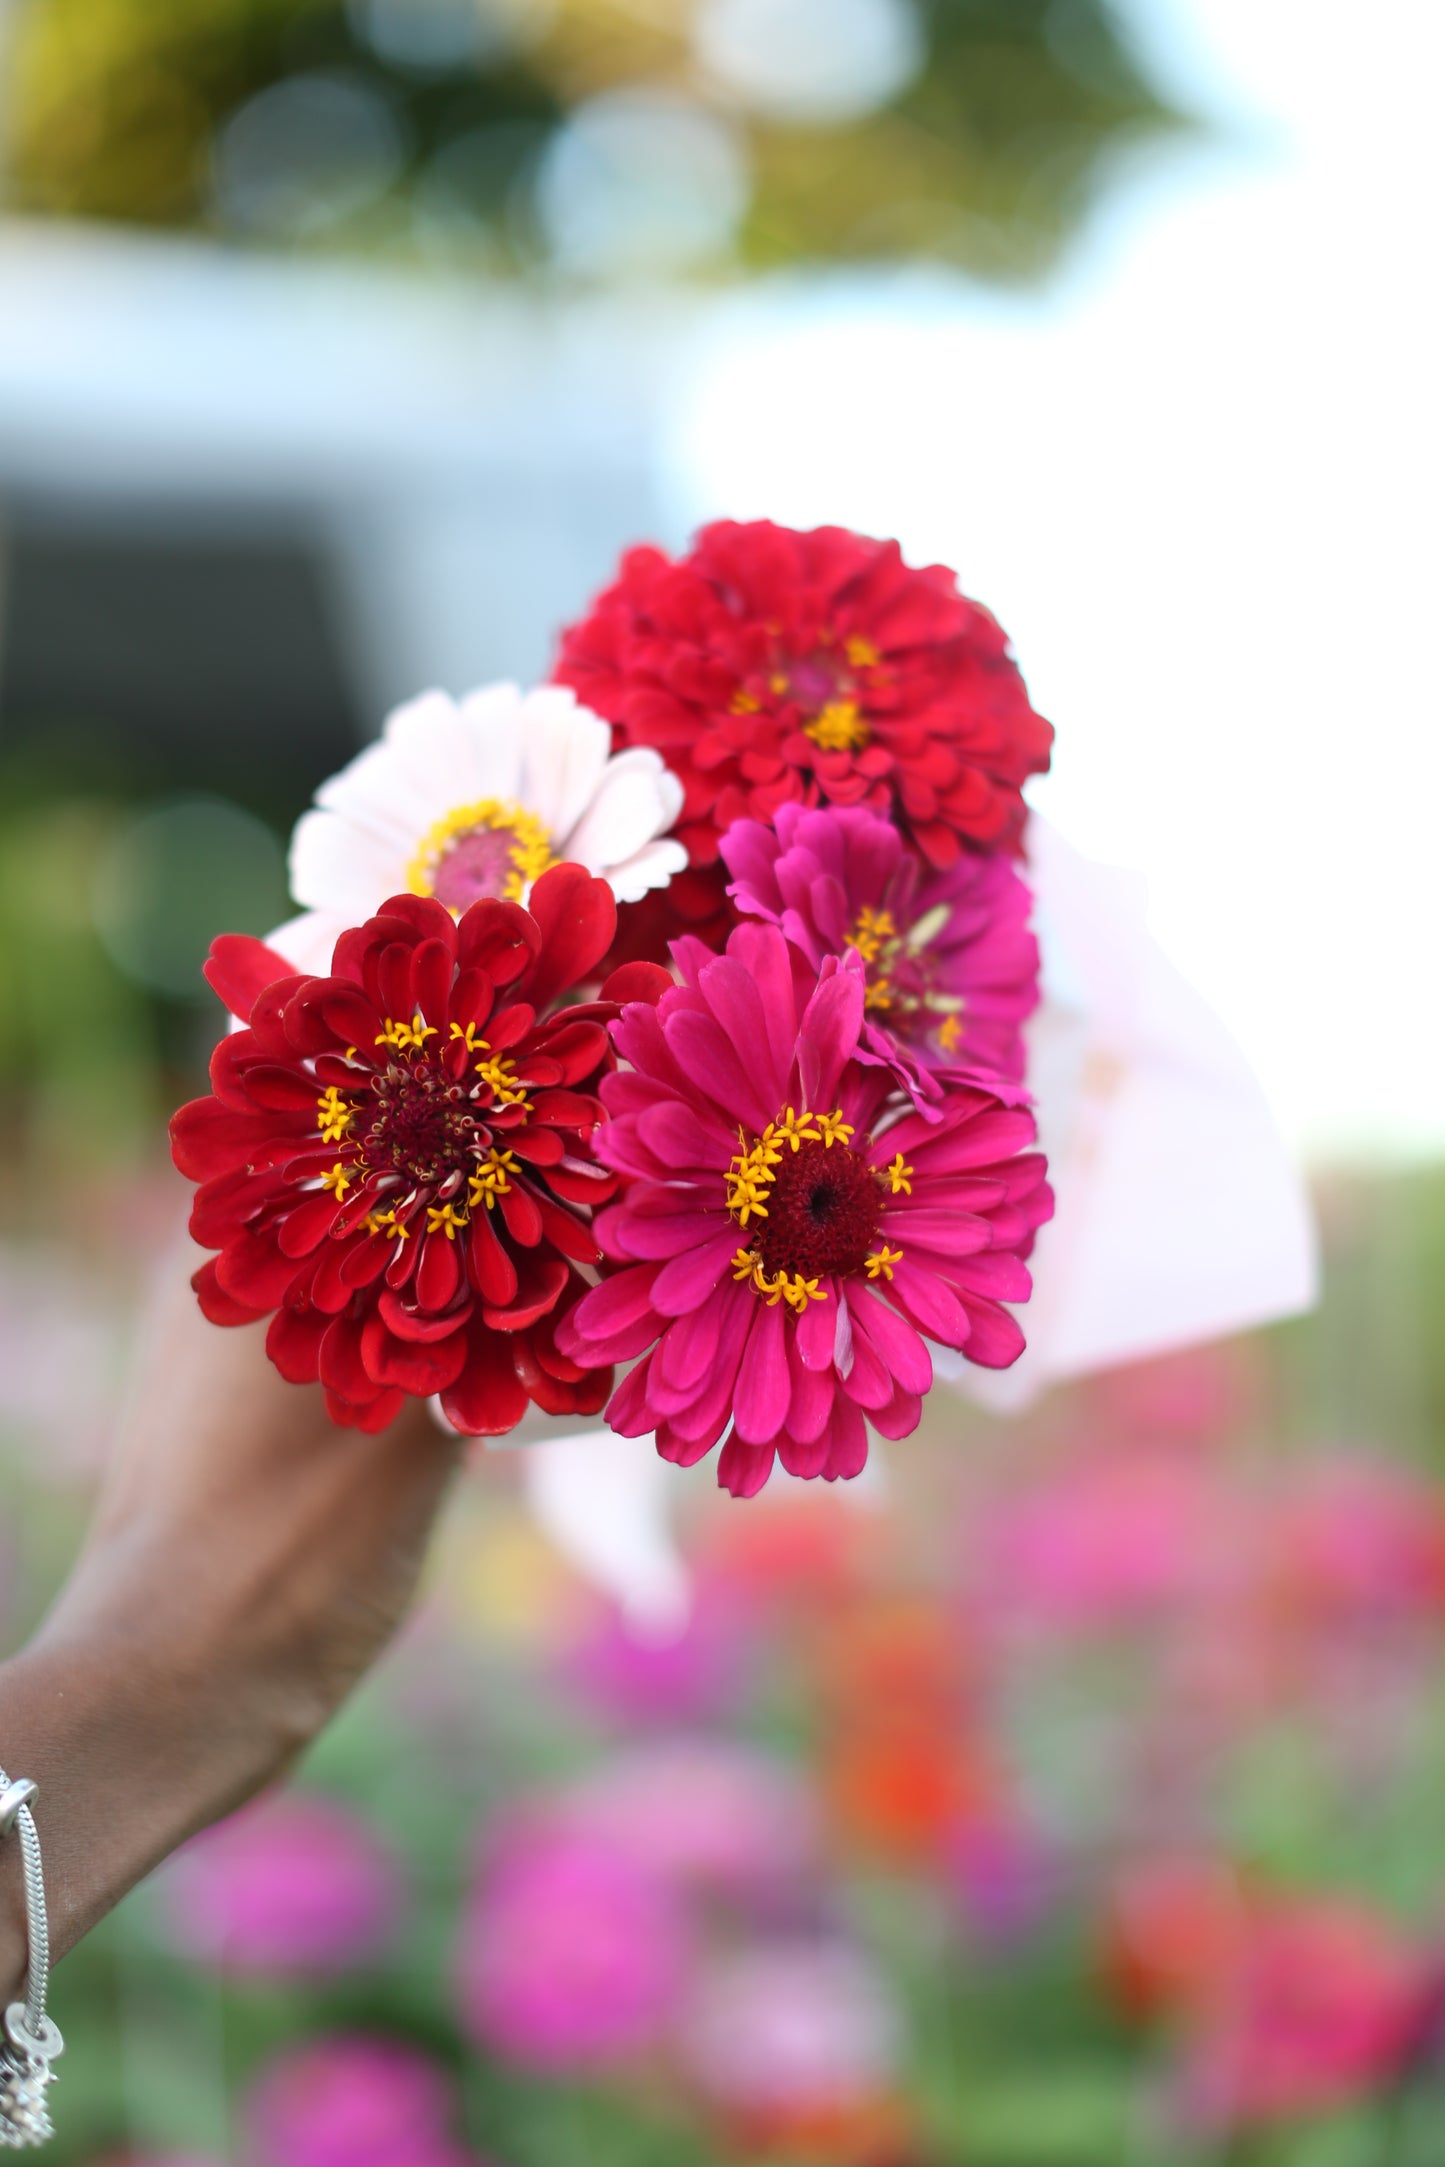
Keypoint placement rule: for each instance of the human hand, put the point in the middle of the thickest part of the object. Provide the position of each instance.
(246, 1563)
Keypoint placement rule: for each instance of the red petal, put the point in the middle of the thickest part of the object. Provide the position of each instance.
(414, 1366)
(240, 968)
(539, 1283)
(251, 1269)
(489, 1266)
(208, 1138)
(216, 1304)
(578, 917)
(637, 982)
(487, 1399)
(294, 1343)
(498, 938)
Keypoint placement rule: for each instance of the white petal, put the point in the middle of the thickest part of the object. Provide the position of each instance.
(365, 793)
(493, 718)
(435, 745)
(564, 758)
(605, 1501)
(628, 811)
(651, 867)
(337, 865)
(309, 942)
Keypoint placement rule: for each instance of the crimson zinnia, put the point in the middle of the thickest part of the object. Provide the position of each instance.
(792, 1226)
(769, 666)
(397, 1159)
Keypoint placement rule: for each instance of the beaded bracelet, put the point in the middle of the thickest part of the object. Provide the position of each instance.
(31, 2039)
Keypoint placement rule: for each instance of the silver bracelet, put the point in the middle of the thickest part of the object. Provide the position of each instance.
(31, 2039)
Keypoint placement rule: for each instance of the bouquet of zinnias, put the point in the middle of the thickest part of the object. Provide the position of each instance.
(669, 1015)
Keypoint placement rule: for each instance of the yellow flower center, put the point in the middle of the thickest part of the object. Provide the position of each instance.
(492, 847)
(839, 728)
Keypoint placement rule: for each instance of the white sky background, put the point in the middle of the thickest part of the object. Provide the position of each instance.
(1199, 479)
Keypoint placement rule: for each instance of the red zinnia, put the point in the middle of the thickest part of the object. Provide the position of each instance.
(791, 1226)
(769, 666)
(397, 1159)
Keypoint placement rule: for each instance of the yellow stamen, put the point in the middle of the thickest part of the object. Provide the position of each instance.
(338, 1181)
(795, 1290)
(861, 653)
(530, 854)
(882, 1261)
(743, 703)
(833, 1128)
(874, 928)
(444, 1218)
(334, 1115)
(388, 1224)
(793, 1129)
(469, 1037)
(878, 994)
(401, 1037)
(492, 1179)
(950, 1031)
(501, 1074)
(897, 1177)
(839, 728)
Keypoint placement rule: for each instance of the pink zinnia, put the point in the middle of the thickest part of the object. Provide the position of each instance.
(295, 1887)
(353, 2100)
(951, 966)
(574, 1950)
(792, 1226)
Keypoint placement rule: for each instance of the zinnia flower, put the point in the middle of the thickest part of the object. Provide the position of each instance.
(574, 1950)
(792, 1226)
(463, 799)
(952, 968)
(396, 1159)
(772, 667)
(296, 1887)
(353, 2100)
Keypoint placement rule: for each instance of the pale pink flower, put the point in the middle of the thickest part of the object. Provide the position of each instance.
(706, 1812)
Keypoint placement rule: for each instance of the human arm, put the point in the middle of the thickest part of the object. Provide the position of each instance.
(245, 1564)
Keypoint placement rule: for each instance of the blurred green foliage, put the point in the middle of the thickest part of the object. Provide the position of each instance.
(987, 158)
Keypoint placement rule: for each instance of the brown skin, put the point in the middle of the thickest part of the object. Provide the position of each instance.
(246, 1564)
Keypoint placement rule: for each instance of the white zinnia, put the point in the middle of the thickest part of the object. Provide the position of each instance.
(471, 797)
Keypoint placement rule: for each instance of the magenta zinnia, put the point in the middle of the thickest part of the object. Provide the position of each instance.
(792, 1227)
(952, 969)
(396, 1160)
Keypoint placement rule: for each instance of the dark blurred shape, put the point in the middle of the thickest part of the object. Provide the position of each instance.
(207, 662)
(974, 130)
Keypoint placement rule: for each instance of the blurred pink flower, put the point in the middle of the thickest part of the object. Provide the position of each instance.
(793, 2026)
(294, 1886)
(704, 1810)
(1320, 2004)
(351, 2100)
(574, 1950)
(1357, 1533)
(1002, 1875)
(698, 1671)
(1105, 1538)
(1201, 1392)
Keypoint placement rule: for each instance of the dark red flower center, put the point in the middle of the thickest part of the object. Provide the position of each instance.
(823, 1209)
(422, 1124)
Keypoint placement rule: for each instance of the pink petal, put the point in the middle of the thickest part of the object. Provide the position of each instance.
(907, 1359)
(760, 1404)
(743, 1468)
(689, 1279)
